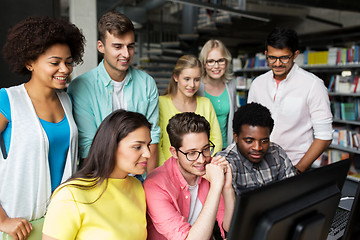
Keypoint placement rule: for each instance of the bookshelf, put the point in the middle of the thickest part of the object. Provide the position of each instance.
(350, 127)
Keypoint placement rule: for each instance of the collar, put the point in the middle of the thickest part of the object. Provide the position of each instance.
(290, 74)
(174, 170)
(250, 165)
(105, 77)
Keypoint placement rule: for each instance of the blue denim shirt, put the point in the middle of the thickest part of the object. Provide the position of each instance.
(92, 94)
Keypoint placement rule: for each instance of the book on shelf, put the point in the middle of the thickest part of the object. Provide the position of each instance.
(332, 56)
(330, 156)
(354, 88)
(258, 61)
(333, 155)
(344, 84)
(348, 111)
(299, 60)
(331, 83)
(241, 99)
(243, 82)
(236, 64)
(346, 138)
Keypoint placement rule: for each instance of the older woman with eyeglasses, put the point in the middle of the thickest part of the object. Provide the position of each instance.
(218, 85)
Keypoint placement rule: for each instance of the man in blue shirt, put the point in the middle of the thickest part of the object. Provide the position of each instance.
(114, 84)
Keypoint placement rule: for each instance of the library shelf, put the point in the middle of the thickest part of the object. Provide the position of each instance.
(344, 149)
(346, 122)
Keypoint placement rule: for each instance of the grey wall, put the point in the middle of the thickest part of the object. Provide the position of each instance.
(11, 12)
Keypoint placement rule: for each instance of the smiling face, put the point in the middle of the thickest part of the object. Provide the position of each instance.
(217, 70)
(132, 153)
(53, 67)
(253, 142)
(192, 169)
(188, 81)
(281, 70)
(118, 53)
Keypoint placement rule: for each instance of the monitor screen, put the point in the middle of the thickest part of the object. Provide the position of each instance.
(352, 231)
(300, 207)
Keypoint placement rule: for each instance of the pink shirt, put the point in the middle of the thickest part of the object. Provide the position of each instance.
(168, 202)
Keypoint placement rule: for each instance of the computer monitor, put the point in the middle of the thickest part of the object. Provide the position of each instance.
(298, 208)
(352, 231)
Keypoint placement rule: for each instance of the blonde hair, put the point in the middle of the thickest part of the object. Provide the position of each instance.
(184, 62)
(210, 45)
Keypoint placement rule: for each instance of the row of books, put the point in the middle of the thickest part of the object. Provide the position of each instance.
(241, 98)
(344, 84)
(330, 156)
(243, 82)
(332, 56)
(346, 138)
(349, 111)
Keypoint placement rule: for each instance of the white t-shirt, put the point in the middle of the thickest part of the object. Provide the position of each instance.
(195, 204)
(119, 96)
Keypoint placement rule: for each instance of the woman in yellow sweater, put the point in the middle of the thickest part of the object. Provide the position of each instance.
(101, 201)
(181, 97)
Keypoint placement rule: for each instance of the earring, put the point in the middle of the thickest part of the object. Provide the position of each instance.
(29, 68)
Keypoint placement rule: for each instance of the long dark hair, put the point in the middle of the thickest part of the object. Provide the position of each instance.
(101, 159)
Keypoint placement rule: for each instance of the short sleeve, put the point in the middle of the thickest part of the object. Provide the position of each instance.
(62, 220)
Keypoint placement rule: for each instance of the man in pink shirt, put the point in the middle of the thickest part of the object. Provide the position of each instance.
(191, 191)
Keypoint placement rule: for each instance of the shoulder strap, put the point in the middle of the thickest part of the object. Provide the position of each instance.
(2, 146)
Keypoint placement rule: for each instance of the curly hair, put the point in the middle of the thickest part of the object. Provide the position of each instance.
(31, 37)
(183, 123)
(253, 114)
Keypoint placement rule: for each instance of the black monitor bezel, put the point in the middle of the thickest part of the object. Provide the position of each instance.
(299, 185)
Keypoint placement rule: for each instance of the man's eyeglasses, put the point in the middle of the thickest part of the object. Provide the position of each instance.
(212, 62)
(194, 155)
(283, 59)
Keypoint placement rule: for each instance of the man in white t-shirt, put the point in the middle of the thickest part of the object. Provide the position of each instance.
(297, 99)
(191, 194)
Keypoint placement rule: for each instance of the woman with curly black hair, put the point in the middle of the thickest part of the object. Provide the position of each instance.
(39, 149)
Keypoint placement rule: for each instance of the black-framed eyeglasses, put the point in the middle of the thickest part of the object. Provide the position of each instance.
(283, 59)
(194, 155)
(212, 62)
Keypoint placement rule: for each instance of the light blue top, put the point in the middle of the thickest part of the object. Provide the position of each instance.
(221, 105)
(58, 136)
(92, 95)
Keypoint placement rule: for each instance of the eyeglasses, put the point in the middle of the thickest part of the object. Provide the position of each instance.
(283, 59)
(212, 62)
(194, 155)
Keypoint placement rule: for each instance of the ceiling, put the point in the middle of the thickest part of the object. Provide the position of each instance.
(318, 22)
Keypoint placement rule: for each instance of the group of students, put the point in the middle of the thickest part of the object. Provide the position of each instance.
(113, 118)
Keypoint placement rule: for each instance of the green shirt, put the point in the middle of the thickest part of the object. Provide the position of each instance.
(222, 108)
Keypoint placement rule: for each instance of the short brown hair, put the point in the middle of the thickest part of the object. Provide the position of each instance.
(114, 23)
(183, 123)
